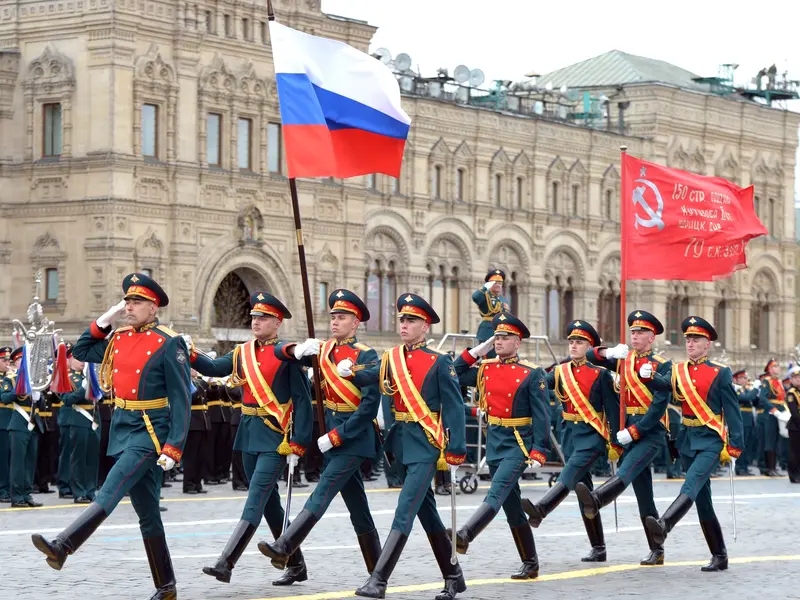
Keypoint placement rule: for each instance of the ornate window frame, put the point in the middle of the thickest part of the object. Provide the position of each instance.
(155, 82)
(48, 254)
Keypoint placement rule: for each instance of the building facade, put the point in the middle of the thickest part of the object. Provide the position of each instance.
(146, 136)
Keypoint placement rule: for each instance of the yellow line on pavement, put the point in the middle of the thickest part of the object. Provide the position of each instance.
(580, 573)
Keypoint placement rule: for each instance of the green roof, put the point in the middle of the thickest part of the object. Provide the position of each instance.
(620, 68)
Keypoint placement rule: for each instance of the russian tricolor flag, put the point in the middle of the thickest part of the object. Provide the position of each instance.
(340, 108)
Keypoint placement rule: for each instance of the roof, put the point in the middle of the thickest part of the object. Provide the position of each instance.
(619, 68)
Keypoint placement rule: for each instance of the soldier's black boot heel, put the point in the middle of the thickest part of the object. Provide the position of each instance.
(375, 587)
(660, 528)
(161, 568)
(716, 543)
(281, 549)
(604, 495)
(370, 544)
(451, 573)
(68, 541)
(656, 556)
(523, 539)
(546, 504)
(476, 523)
(594, 530)
(238, 541)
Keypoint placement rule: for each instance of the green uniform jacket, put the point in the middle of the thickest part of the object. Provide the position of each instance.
(72, 418)
(489, 305)
(8, 396)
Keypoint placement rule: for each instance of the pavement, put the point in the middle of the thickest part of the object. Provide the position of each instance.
(112, 564)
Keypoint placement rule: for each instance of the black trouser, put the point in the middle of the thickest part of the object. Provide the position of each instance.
(47, 456)
(366, 468)
(794, 455)
(192, 460)
(313, 457)
(106, 462)
(218, 451)
(238, 476)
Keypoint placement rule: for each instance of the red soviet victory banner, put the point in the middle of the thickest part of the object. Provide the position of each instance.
(678, 225)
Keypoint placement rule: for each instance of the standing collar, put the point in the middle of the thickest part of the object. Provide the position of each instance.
(417, 346)
(509, 361)
(146, 326)
(269, 342)
(346, 341)
(699, 361)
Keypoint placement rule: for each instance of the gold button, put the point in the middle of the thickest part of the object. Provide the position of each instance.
(130, 333)
(509, 397)
(149, 353)
(488, 393)
(119, 337)
(148, 333)
(116, 370)
(694, 381)
(138, 371)
(498, 366)
(577, 370)
(261, 350)
(525, 372)
(695, 368)
(433, 358)
(517, 380)
(506, 410)
(160, 340)
(116, 351)
(513, 367)
(133, 391)
(258, 363)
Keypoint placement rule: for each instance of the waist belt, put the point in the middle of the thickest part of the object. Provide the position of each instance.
(199, 407)
(404, 417)
(144, 405)
(56, 405)
(339, 407)
(228, 404)
(27, 409)
(695, 422)
(635, 410)
(746, 409)
(108, 402)
(257, 411)
(487, 318)
(45, 414)
(215, 403)
(759, 411)
(84, 406)
(237, 405)
(575, 418)
(552, 403)
(8, 406)
(520, 422)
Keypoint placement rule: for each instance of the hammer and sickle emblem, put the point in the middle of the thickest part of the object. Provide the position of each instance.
(654, 219)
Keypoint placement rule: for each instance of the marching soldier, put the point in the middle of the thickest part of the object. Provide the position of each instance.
(793, 403)
(275, 427)
(748, 403)
(513, 396)
(23, 437)
(490, 303)
(555, 418)
(62, 420)
(350, 387)
(772, 397)
(5, 416)
(426, 403)
(147, 367)
(709, 404)
(591, 417)
(105, 408)
(238, 476)
(83, 423)
(193, 455)
(646, 398)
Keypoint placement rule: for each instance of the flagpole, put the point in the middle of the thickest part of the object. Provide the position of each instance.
(623, 287)
(301, 253)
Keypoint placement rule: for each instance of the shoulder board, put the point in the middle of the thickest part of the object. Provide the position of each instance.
(529, 364)
(12, 377)
(716, 363)
(166, 330)
(121, 329)
(659, 359)
(361, 346)
(437, 351)
(487, 361)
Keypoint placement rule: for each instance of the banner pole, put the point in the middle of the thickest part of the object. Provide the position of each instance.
(623, 287)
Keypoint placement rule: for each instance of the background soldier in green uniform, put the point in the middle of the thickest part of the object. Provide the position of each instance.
(83, 422)
(748, 403)
(427, 403)
(793, 403)
(147, 367)
(583, 389)
(276, 423)
(62, 472)
(709, 404)
(491, 303)
(646, 397)
(350, 387)
(193, 453)
(772, 397)
(514, 400)
(5, 417)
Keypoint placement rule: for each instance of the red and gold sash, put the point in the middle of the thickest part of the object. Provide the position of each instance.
(636, 387)
(413, 399)
(696, 402)
(260, 389)
(340, 388)
(580, 401)
(777, 388)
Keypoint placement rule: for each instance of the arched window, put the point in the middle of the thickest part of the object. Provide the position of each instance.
(608, 206)
(513, 293)
(436, 182)
(608, 313)
(498, 189)
(677, 311)
(559, 306)
(519, 193)
(555, 205)
(460, 173)
(721, 321)
(380, 291)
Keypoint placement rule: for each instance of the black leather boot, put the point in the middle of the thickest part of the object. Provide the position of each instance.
(281, 549)
(523, 539)
(474, 525)
(546, 504)
(716, 543)
(594, 529)
(451, 573)
(771, 462)
(161, 568)
(370, 544)
(238, 541)
(656, 556)
(375, 586)
(68, 541)
(660, 528)
(295, 570)
(604, 495)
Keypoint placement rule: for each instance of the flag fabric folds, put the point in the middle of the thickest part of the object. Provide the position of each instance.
(94, 391)
(340, 108)
(24, 386)
(679, 225)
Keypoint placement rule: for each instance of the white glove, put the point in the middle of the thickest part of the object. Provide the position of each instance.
(188, 339)
(292, 461)
(737, 388)
(308, 348)
(324, 442)
(488, 285)
(85, 385)
(646, 371)
(111, 315)
(620, 351)
(757, 383)
(165, 462)
(783, 415)
(344, 369)
(36, 395)
(624, 437)
(482, 349)
(535, 464)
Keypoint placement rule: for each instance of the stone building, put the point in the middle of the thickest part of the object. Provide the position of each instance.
(146, 136)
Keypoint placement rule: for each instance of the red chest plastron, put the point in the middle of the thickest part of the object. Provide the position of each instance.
(703, 376)
(419, 363)
(132, 351)
(501, 382)
(630, 400)
(337, 355)
(268, 365)
(585, 376)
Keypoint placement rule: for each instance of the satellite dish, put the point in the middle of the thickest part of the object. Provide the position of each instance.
(461, 74)
(402, 61)
(476, 77)
(383, 55)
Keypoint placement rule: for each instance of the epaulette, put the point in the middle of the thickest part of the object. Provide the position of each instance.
(659, 359)
(487, 361)
(166, 330)
(361, 346)
(529, 364)
(437, 351)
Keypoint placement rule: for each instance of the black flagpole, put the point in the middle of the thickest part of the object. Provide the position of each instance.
(301, 252)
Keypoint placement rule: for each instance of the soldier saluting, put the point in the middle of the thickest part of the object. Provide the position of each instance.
(350, 385)
(513, 395)
(490, 303)
(147, 367)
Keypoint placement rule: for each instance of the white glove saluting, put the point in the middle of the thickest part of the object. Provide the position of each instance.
(489, 285)
(620, 351)
(646, 371)
(165, 462)
(624, 437)
(482, 349)
(111, 315)
(308, 348)
(324, 442)
(757, 383)
(344, 369)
